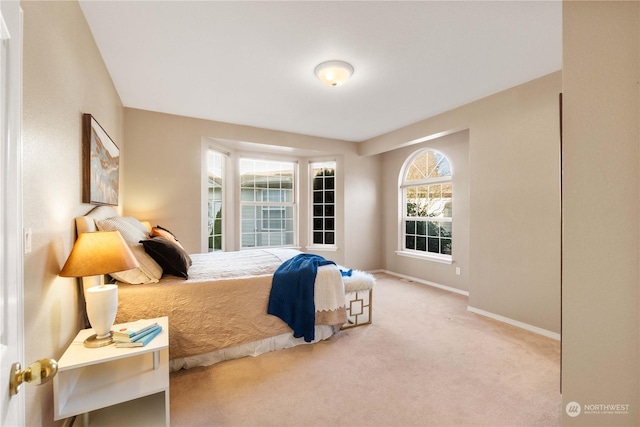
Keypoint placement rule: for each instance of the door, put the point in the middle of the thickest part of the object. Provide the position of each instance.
(12, 408)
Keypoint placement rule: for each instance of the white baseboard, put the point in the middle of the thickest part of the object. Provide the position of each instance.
(426, 282)
(516, 323)
(497, 317)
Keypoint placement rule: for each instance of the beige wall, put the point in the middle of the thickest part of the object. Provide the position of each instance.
(63, 77)
(601, 231)
(456, 147)
(163, 175)
(514, 237)
(513, 172)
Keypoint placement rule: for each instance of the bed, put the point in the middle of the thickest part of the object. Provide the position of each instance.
(220, 311)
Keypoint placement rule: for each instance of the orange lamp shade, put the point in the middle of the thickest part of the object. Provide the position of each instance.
(99, 252)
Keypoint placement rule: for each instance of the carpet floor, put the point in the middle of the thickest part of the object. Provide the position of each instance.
(424, 361)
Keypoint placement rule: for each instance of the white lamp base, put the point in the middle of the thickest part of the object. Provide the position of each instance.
(102, 306)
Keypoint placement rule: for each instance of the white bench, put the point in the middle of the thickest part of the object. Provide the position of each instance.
(358, 289)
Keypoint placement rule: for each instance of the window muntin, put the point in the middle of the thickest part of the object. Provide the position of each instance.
(427, 194)
(215, 172)
(428, 165)
(267, 205)
(323, 203)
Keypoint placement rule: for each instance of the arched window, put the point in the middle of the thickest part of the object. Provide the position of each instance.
(426, 205)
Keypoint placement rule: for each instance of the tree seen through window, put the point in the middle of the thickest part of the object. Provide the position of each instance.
(427, 197)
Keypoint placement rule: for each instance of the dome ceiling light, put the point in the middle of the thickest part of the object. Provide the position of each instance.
(334, 73)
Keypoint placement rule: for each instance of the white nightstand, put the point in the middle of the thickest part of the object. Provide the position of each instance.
(114, 386)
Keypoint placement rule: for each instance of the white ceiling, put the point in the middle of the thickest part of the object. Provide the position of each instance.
(252, 63)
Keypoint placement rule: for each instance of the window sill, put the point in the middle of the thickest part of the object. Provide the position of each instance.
(321, 248)
(443, 259)
(251, 248)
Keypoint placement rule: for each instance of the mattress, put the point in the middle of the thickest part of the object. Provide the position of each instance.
(223, 303)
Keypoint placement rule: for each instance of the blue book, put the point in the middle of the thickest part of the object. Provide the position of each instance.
(141, 340)
(126, 332)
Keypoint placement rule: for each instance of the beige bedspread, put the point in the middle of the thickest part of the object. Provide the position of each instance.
(224, 301)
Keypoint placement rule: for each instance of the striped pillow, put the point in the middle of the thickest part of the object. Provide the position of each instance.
(149, 270)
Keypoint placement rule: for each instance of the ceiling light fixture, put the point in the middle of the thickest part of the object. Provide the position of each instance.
(334, 73)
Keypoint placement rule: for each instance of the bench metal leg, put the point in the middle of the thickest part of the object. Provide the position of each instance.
(359, 308)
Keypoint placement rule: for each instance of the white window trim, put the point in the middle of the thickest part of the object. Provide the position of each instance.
(427, 256)
(314, 246)
(206, 147)
(263, 205)
(430, 256)
(294, 204)
(403, 251)
(429, 181)
(321, 248)
(268, 220)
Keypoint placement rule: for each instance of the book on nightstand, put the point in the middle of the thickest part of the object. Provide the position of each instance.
(127, 331)
(138, 336)
(140, 340)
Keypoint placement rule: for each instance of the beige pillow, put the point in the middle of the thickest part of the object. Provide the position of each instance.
(136, 223)
(149, 270)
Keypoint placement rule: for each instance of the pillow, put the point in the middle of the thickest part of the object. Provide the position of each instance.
(162, 232)
(136, 223)
(158, 231)
(172, 258)
(164, 229)
(149, 271)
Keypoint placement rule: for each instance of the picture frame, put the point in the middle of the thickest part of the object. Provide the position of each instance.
(100, 164)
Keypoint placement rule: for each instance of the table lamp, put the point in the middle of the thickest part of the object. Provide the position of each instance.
(96, 254)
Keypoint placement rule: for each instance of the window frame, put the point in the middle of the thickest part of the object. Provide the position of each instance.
(223, 200)
(267, 220)
(312, 166)
(264, 204)
(403, 218)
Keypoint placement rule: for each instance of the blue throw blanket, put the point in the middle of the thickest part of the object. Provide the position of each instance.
(292, 291)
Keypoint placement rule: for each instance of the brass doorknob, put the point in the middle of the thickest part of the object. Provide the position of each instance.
(37, 373)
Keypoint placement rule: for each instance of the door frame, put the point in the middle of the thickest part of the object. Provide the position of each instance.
(11, 244)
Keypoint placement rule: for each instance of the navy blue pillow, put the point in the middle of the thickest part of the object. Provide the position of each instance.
(172, 258)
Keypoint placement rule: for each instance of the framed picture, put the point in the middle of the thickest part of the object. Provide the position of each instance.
(100, 164)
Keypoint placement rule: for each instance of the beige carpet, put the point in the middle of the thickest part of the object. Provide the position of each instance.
(425, 361)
